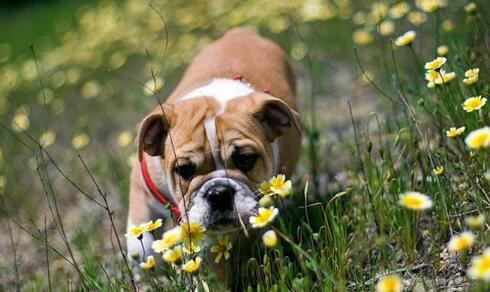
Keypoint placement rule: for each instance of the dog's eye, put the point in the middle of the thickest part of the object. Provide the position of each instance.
(186, 171)
(244, 161)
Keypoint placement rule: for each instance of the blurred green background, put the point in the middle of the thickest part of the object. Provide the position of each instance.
(78, 77)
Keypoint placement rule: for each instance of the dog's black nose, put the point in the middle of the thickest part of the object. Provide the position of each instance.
(220, 197)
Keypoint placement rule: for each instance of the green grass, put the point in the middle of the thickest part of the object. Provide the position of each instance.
(342, 233)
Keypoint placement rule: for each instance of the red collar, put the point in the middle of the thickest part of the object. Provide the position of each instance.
(156, 192)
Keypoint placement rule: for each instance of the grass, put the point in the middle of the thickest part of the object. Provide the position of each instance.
(373, 130)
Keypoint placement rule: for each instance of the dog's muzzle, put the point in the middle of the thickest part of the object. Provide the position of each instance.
(219, 203)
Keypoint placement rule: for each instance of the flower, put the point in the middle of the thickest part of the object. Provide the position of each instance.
(265, 189)
(415, 201)
(80, 141)
(480, 266)
(399, 10)
(149, 264)
(417, 17)
(478, 139)
(90, 89)
(279, 185)
(153, 86)
(438, 77)
(192, 266)
(169, 239)
(462, 241)
(265, 216)
(471, 76)
(136, 231)
(474, 103)
(454, 132)
(191, 248)
(124, 139)
(222, 249)
(430, 5)
(173, 255)
(436, 63)
(447, 25)
(391, 283)
(470, 7)
(444, 77)
(153, 225)
(192, 233)
(442, 50)
(21, 122)
(438, 170)
(270, 239)
(405, 39)
(362, 37)
(386, 28)
(47, 138)
(475, 221)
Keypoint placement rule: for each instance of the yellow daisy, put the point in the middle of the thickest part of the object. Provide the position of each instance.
(480, 266)
(222, 248)
(192, 266)
(265, 216)
(405, 39)
(270, 239)
(417, 17)
(191, 248)
(436, 63)
(47, 138)
(471, 76)
(444, 77)
(391, 283)
(192, 233)
(265, 189)
(173, 256)
(474, 103)
(386, 28)
(399, 10)
(124, 139)
(362, 37)
(448, 25)
(21, 122)
(153, 225)
(415, 201)
(439, 170)
(470, 7)
(430, 5)
(136, 231)
(475, 221)
(462, 241)
(149, 265)
(80, 141)
(153, 86)
(478, 139)
(169, 239)
(279, 185)
(442, 50)
(454, 132)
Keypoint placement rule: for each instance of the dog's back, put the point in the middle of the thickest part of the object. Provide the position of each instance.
(242, 52)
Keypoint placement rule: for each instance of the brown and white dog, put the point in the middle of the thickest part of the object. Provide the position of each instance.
(231, 123)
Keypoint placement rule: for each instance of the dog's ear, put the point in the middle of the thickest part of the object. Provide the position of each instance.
(275, 116)
(153, 131)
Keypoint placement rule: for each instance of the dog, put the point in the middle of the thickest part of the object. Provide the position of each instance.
(231, 123)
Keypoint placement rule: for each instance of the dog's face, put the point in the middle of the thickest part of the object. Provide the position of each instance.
(214, 155)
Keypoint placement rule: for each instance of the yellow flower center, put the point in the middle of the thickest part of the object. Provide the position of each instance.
(413, 202)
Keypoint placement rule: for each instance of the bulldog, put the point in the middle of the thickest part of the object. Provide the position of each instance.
(230, 123)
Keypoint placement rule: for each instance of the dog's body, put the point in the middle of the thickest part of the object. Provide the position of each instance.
(230, 124)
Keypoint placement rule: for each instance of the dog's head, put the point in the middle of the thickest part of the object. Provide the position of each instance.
(214, 155)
